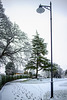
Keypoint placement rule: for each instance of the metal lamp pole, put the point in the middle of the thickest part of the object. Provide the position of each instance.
(41, 10)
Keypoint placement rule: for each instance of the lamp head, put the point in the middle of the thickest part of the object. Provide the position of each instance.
(40, 9)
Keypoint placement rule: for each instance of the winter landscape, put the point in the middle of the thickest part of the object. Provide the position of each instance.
(34, 89)
(31, 50)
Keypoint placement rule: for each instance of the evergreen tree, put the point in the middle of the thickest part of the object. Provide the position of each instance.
(10, 68)
(38, 61)
(66, 72)
(14, 43)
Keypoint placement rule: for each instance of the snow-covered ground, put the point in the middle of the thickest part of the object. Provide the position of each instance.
(34, 90)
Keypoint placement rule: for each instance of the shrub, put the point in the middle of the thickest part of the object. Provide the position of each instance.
(3, 79)
(9, 78)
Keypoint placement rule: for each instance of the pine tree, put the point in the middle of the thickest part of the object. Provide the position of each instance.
(38, 61)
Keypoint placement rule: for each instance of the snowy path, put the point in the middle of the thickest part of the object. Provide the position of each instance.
(34, 90)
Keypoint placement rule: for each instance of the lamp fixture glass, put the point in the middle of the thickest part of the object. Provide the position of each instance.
(40, 9)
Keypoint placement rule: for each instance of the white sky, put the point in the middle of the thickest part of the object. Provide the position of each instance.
(23, 12)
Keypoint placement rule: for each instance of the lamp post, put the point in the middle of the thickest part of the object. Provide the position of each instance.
(41, 10)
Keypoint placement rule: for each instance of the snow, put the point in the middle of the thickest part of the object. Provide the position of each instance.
(34, 89)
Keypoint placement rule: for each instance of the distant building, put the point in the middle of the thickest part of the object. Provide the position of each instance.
(19, 72)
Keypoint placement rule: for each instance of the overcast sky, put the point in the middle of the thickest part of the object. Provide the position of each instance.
(23, 12)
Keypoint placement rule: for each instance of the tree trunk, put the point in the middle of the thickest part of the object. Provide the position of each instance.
(37, 67)
(36, 73)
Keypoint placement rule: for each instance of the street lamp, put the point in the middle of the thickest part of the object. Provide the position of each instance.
(41, 10)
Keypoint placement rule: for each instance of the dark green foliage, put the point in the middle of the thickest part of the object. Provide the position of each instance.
(39, 47)
(31, 75)
(10, 68)
(57, 72)
(3, 80)
(26, 72)
(8, 78)
(0, 85)
(38, 61)
(14, 77)
(65, 72)
(18, 76)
